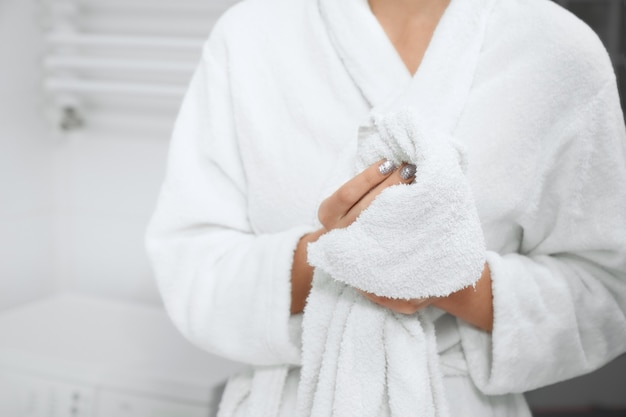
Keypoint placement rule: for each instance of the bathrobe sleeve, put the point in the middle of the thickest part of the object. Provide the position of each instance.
(226, 288)
(559, 304)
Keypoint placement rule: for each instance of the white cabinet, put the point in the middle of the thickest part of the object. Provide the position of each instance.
(23, 396)
(115, 404)
(71, 400)
(80, 356)
(28, 396)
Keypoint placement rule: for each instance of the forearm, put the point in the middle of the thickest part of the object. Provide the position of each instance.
(472, 304)
(302, 272)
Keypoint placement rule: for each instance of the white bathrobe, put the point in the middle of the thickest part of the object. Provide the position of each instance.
(268, 130)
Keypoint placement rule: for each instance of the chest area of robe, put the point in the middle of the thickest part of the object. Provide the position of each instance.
(297, 113)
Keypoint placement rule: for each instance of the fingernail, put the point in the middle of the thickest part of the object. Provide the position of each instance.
(408, 171)
(387, 167)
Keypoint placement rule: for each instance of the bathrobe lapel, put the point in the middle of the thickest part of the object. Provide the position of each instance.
(359, 359)
(439, 89)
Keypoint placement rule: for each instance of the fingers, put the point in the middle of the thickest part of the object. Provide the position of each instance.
(404, 175)
(335, 207)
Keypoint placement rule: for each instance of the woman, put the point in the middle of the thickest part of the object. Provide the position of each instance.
(267, 132)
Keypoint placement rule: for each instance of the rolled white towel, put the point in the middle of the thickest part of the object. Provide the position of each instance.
(414, 240)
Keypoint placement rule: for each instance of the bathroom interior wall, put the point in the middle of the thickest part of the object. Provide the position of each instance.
(73, 208)
(110, 184)
(26, 149)
(109, 171)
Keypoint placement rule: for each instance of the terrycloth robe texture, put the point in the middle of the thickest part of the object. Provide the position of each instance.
(528, 90)
(414, 241)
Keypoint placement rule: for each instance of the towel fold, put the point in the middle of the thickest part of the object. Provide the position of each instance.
(414, 241)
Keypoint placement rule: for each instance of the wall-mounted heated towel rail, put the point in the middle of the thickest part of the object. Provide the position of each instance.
(106, 60)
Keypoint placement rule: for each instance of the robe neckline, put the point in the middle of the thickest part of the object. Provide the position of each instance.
(439, 88)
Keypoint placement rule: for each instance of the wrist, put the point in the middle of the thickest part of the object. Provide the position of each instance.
(473, 304)
(313, 236)
(302, 272)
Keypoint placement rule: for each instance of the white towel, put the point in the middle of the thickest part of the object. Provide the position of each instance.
(413, 241)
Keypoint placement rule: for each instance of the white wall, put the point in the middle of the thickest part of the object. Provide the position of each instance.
(108, 174)
(73, 210)
(26, 251)
(108, 189)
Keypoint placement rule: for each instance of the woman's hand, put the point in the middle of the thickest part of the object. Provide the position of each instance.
(399, 305)
(472, 304)
(340, 210)
(344, 205)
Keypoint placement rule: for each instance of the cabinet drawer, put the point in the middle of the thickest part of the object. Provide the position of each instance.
(23, 396)
(71, 400)
(119, 404)
(35, 396)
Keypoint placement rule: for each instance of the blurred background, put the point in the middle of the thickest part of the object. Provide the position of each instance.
(89, 90)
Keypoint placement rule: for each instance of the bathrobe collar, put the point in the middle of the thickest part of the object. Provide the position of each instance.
(439, 88)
